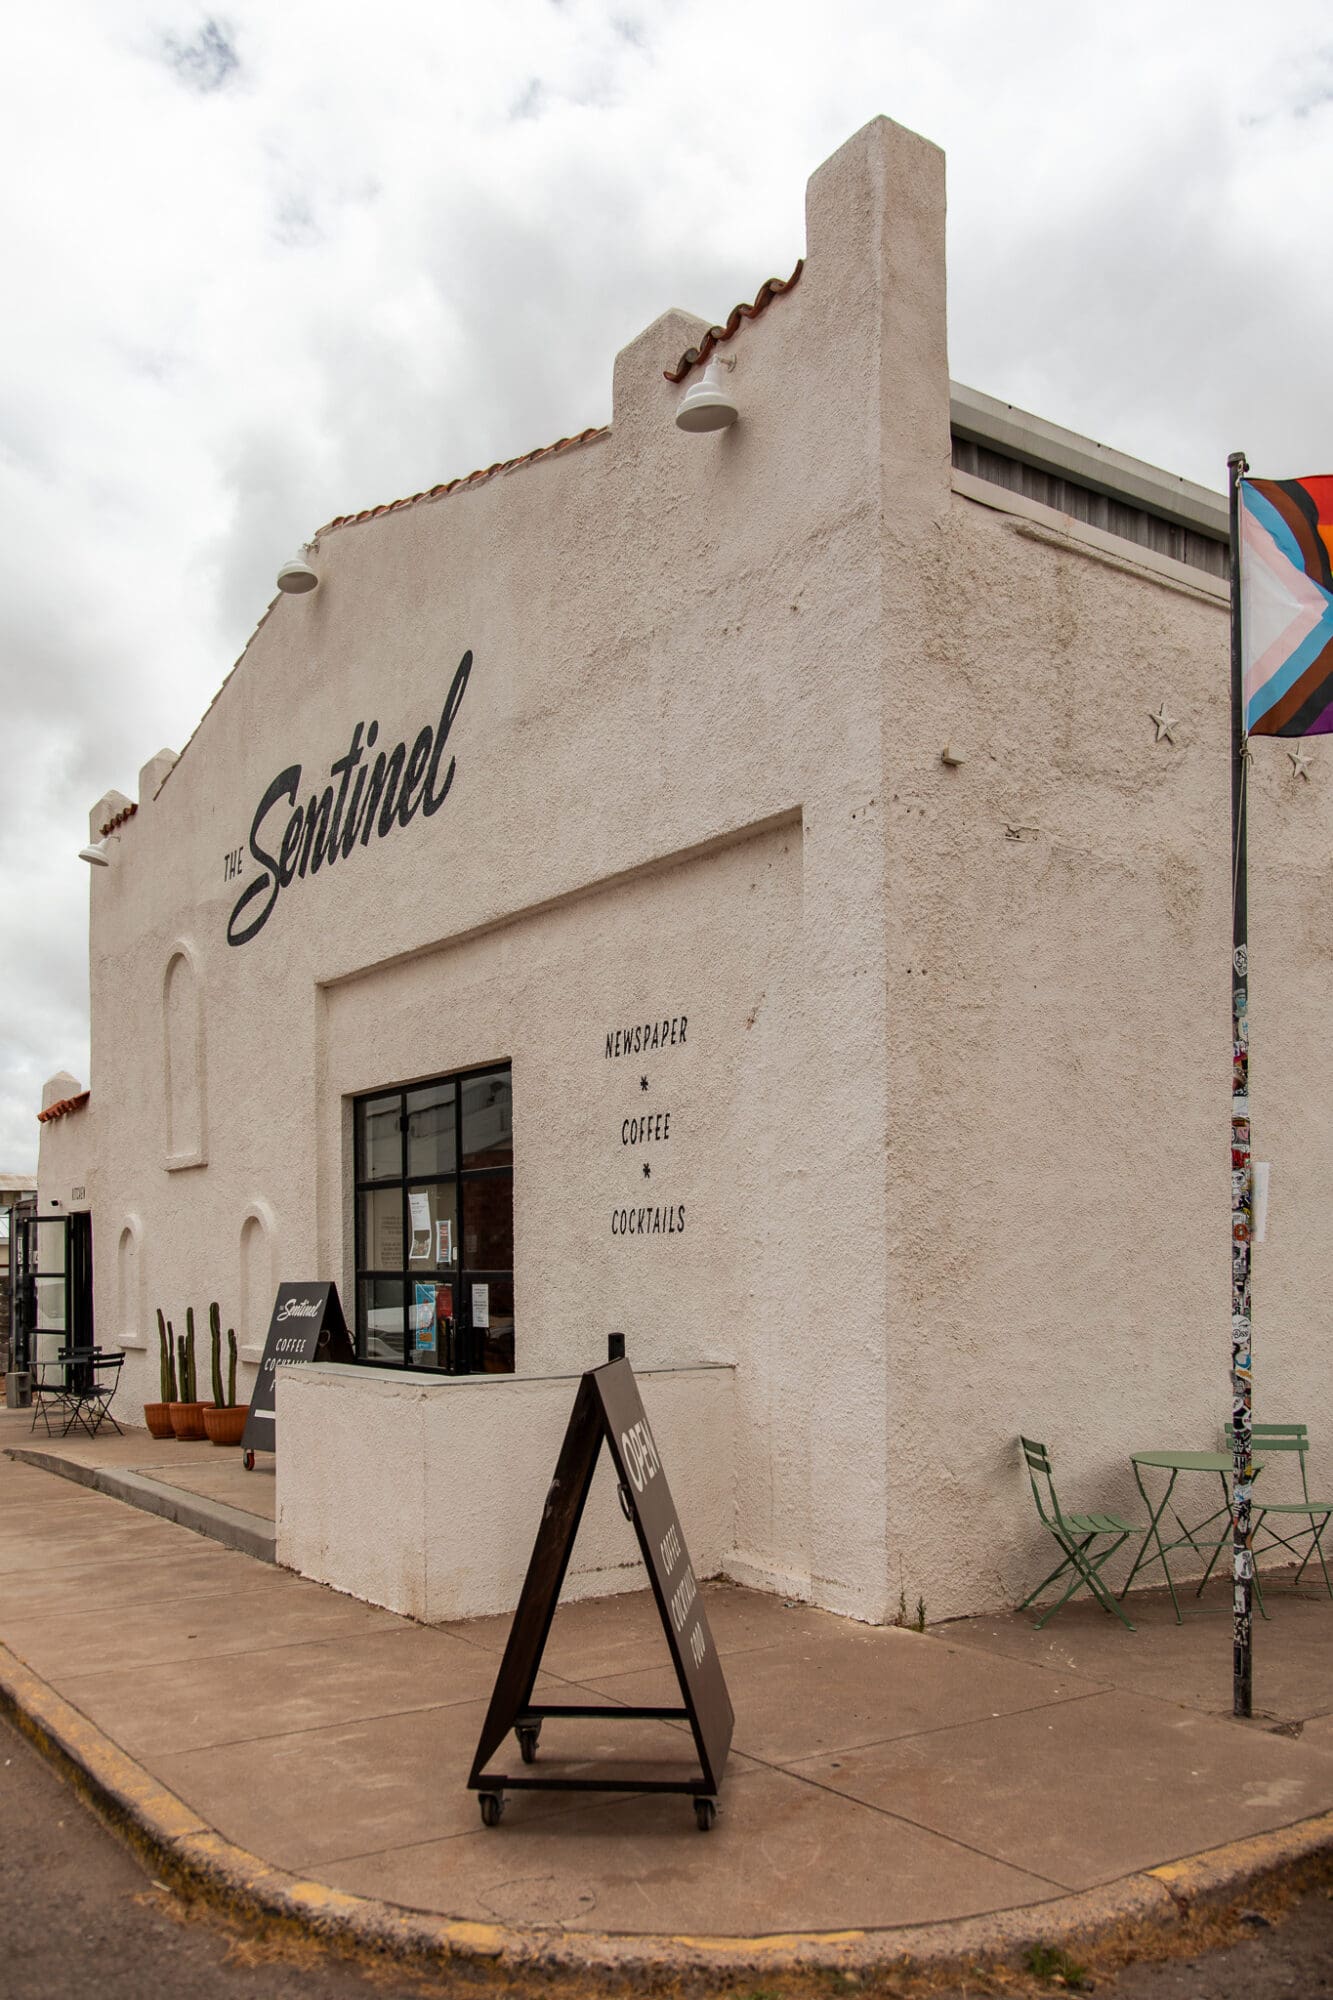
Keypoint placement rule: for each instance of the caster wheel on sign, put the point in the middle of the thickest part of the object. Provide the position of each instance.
(527, 1742)
(248, 1460)
(492, 1807)
(705, 1812)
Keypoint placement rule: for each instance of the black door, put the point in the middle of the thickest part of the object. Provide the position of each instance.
(81, 1280)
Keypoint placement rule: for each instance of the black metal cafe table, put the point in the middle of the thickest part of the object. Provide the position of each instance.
(1203, 1538)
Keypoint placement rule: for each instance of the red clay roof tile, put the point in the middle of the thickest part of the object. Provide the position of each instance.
(772, 288)
(469, 479)
(65, 1105)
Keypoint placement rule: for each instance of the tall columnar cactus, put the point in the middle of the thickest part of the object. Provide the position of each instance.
(231, 1368)
(166, 1341)
(215, 1341)
(185, 1355)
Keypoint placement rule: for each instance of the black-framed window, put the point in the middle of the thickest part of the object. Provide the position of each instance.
(435, 1224)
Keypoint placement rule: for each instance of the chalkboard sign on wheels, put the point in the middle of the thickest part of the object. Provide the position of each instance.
(608, 1407)
(307, 1325)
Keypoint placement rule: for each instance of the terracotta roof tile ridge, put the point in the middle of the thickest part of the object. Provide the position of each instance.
(65, 1105)
(369, 514)
(470, 479)
(118, 819)
(772, 288)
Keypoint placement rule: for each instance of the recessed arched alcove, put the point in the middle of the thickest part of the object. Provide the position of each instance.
(131, 1292)
(257, 1282)
(184, 1071)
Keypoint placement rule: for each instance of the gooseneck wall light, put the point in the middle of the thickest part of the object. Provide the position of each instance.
(297, 576)
(709, 404)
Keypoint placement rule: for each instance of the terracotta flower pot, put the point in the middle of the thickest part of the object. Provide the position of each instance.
(157, 1416)
(187, 1419)
(225, 1426)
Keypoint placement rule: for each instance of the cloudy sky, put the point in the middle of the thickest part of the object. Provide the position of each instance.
(275, 263)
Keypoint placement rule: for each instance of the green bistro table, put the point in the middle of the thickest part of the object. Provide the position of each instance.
(1203, 1538)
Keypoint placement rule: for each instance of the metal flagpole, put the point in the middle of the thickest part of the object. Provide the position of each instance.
(1242, 1468)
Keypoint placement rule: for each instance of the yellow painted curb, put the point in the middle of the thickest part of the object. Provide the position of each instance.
(185, 1851)
(1219, 1870)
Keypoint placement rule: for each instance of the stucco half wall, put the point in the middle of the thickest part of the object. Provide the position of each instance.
(424, 1494)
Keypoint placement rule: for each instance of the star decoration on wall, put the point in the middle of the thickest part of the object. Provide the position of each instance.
(1301, 761)
(647, 1171)
(643, 1083)
(1163, 723)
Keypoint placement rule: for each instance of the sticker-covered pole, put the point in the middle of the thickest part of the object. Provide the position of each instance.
(1242, 1467)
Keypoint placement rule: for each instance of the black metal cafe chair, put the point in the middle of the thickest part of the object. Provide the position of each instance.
(94, 1379)
(51, 1396)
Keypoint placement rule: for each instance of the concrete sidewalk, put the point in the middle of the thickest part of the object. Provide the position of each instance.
(888, 1792)
(201, 1485)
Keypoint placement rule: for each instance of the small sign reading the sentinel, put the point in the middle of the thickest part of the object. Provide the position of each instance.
(307, 1325)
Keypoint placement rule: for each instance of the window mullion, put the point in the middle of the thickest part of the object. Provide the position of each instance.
(409, 1358)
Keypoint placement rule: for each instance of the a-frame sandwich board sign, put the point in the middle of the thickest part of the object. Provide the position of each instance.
(608, 1407)
(307, 1325)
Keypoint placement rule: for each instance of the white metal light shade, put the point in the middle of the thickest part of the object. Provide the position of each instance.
(296, 576)
(96, 853)
(708, 404)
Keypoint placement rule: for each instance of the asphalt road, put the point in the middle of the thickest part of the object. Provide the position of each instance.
(79, 1916)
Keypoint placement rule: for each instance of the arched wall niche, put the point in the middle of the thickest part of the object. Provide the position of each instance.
(131, 1286)
(184, 1077)
(258, 1251)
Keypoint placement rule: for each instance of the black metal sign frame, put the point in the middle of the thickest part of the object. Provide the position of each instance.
(307, 1325)
(608, 1408)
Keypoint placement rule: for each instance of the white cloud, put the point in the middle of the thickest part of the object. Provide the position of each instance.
(268, 264)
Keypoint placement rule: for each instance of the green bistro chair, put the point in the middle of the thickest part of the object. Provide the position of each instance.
(1075, 1534)
(1314, 1514)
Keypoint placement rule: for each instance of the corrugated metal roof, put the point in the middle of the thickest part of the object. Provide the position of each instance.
(1018, 435)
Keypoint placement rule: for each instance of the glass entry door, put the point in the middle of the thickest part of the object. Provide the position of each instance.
(53, 1285)
(51, 1328)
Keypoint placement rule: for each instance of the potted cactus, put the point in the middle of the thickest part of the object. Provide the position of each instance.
(224, 1421)
(157, 1416)
(187, 1415)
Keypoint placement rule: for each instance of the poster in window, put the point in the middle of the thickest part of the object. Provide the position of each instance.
(424, 1321)
(418, 1204)
(481, 1305)
(444, 1240)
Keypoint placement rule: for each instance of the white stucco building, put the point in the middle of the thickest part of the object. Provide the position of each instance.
(730, 889)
